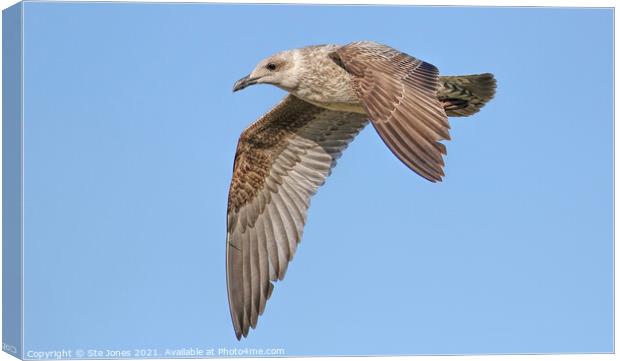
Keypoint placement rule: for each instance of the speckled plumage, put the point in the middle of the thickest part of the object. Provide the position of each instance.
(287, 154)
(326, 84)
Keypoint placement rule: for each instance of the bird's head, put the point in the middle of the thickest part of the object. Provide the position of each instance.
(278, 70)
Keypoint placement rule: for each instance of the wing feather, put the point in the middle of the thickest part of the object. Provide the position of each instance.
(281, 161)
(399, 93)
(254, 275)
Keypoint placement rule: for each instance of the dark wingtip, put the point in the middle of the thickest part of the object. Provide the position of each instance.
(435, 178)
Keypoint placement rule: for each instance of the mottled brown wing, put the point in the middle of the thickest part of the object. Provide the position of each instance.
(281, 161)
(399, 93)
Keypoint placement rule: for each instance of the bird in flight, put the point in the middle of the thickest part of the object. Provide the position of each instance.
(286, 155)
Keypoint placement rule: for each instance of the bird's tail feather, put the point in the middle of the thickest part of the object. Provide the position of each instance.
(464, 95)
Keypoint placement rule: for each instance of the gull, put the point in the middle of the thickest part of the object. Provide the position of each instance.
(287, 154)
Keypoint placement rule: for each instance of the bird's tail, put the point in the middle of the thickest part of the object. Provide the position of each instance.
(464, 95)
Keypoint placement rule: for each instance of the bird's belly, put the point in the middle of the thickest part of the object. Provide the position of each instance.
(340, 101)
(340, 107)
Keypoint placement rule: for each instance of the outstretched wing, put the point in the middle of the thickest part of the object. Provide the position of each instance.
(281, 161)
(399, 93)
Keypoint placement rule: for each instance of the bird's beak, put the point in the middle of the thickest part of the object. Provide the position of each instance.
(244, 82)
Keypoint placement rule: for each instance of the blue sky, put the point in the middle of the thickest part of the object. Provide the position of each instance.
(130, 132)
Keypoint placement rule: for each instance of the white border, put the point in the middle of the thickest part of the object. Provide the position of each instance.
(509, 3)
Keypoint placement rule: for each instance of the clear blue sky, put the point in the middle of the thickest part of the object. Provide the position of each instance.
(130, 133)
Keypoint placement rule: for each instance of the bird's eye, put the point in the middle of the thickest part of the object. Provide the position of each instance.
(271, 66)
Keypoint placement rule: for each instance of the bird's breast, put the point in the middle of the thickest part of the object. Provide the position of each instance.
(329, 86)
